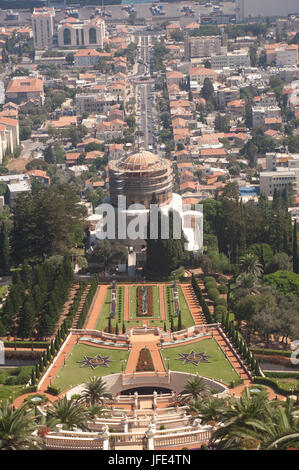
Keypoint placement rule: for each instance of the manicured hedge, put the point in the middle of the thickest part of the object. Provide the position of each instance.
(272, 352)
(283, 375)
(53, 390)
(26, 344)
(272, 383)
(213, 294)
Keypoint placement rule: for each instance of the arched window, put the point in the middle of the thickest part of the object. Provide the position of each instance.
(92, 36)
(66, 37)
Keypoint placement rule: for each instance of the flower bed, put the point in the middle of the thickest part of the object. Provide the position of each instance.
(144, 301)
(145, 362)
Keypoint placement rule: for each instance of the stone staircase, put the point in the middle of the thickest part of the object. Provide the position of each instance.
(80, 308)
(194, 305)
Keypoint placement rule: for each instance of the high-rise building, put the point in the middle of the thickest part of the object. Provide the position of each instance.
(43, 27)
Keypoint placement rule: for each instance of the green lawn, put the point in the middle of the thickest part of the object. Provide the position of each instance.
(74, 374)
(102, 321)
(10, 392)
(218, 367)
(187, 319)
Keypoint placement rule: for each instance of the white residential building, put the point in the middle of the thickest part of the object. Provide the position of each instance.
(279, 179)
(233, 59)
(287, 55)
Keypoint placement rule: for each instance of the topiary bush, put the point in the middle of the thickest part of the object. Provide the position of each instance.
(213, 294)
(223, 289)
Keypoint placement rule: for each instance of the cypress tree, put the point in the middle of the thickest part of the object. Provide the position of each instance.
(27, 319)
(171, 324)
(123, 328)
(180, 322)
(33, 378)
(26, 275)
(295, 250)
(48, 353)
(37, 371)
(116, 329)
(109, 325)
(4, 250)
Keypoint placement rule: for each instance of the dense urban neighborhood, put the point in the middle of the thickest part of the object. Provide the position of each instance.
(149, 216)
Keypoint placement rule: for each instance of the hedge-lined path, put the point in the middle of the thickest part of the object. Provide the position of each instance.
(127, 303)
(233, 358)
(20, 400)
(139, 342)
(96, 307)
(63, 353)
(237, 391)
(80, 307)
(162, 303)
(193, 304)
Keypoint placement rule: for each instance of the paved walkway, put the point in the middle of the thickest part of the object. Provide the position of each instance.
(127, 303)
(162, 303)
(62, 354)
(96, 307)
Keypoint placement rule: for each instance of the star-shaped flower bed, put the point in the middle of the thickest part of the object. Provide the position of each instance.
(94, 362)
(193, 358)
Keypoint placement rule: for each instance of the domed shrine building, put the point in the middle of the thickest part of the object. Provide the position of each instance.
(140, 175)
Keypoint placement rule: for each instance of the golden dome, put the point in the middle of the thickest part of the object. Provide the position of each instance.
(141, 160)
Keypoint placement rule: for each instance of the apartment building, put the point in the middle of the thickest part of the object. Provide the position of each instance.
(86, 57)
(226, 95)
(282, 54)
(96, 103)
(203, 46)
(21, 89)
(235, 59)
(43, 27)
(278, 180)
(198, 74)
(261, 114)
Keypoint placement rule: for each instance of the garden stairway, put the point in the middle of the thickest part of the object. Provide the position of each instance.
(193, 303)
(80, 307)
(232, 357)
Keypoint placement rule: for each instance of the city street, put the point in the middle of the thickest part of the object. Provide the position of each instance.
(145, 95)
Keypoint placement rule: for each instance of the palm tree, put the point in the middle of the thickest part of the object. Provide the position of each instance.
(237, 416)
(195, 388)
(95, 410)
(17, 427)
(69, 413)
(250, 264)
(208, 409)
(95, 391)
(276, 429)
(246, 284)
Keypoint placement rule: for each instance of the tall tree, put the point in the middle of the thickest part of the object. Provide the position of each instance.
(295, 250)
(34, 235)
(4, 250)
